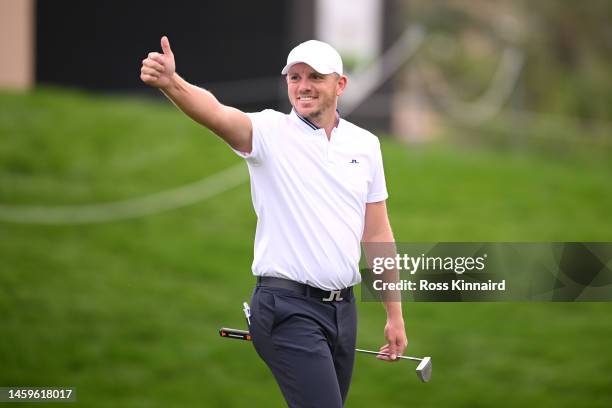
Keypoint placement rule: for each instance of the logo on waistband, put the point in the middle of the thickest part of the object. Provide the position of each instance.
(334, 295)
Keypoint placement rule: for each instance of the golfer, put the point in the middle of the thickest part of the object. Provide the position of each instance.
(318, 190)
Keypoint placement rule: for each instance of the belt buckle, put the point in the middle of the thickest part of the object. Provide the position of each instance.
(334, 295)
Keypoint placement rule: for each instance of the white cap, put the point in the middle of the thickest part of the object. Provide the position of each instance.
(321, 56)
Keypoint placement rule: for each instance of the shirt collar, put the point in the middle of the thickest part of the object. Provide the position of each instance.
(308, 123)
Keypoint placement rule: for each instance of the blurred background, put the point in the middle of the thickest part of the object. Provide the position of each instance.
(126, 230)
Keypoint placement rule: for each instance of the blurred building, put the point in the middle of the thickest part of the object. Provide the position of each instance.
(17, 44)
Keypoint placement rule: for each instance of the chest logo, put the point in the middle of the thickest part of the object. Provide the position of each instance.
(354, 161)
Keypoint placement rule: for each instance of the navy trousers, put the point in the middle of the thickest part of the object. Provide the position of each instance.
(308, 344)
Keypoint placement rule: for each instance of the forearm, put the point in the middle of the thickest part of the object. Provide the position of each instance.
(391, 298)
(382, 245)
(204, 108)
(197, 103)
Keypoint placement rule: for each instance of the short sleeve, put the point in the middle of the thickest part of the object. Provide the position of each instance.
(377, 188)
(263, 124)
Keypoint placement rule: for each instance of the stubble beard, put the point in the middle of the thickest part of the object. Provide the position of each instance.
(316, 115)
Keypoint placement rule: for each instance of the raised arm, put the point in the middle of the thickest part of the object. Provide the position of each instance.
(230, 124)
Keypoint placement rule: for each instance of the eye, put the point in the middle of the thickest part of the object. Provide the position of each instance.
(293, 77)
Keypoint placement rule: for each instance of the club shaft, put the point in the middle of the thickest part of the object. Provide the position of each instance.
(244, 335)
(387, 354)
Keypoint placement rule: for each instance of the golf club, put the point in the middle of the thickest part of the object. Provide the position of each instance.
(423, 370)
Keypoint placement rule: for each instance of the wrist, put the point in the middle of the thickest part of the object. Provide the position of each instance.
(394, 311)
(395, 319)
(172, 86)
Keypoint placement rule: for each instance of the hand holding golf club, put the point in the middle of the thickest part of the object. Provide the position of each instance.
(397, 341)
(157, 69)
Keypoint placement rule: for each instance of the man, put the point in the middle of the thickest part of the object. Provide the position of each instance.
(318, 189)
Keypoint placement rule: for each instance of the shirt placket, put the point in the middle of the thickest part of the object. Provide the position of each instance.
(331, 147)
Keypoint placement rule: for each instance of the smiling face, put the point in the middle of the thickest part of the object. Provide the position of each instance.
(313, 95)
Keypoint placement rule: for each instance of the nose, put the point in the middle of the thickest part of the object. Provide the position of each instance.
(304, 86)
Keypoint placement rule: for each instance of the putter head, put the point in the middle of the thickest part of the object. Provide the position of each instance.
(423, 370)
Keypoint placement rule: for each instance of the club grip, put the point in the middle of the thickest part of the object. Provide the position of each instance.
(235, 334)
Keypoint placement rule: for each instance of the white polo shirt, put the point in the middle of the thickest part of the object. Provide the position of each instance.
(309, 194)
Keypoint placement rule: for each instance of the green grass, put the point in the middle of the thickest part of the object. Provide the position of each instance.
(127, 311)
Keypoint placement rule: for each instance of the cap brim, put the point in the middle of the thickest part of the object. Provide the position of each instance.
(320, 70)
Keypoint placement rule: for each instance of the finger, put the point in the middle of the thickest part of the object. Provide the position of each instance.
(149, 71)
(147, 78)
(384, 349)
(392, 350)
(153, 64)
(403, 343)
(156, 56)
(386, 358)
(165, 44)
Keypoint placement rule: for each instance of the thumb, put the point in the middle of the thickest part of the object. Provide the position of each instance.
(165, 44)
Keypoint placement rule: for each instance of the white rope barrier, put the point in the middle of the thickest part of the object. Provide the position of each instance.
(492, 100)
(192, 193)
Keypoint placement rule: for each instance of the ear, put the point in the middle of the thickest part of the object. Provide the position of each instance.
(341, 85)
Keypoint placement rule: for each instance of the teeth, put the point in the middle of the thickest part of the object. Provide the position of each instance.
(305, 98)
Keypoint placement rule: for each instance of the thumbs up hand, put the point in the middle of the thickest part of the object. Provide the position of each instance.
(157, 69)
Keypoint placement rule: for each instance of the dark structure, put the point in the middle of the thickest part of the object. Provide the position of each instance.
(234, 48)
(100, 45)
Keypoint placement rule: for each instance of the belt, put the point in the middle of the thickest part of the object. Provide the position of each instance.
(307, 290)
